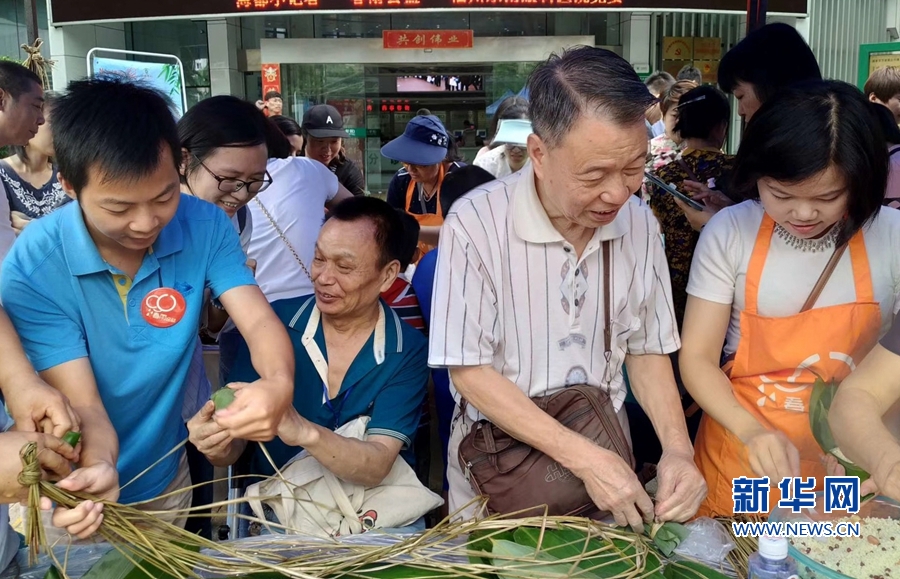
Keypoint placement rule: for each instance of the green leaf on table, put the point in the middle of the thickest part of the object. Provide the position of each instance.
(53, 573)
(480, 545)
(115, 565)
(599, 557)
(513, 560)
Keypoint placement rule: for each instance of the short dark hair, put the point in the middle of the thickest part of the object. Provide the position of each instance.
(769, 58)
(423, 112)
(288, 126)
(674, 93)
(580, 81)
(16, 79)
(701, 111)
(458, 183)
(803, 130)
(659, 81)
(49, 101)
(689, 72)
(272, 94)
(116, 126)
(411, 229)
(222, 121)
(888, 123)
(389, 236)
(884, 83)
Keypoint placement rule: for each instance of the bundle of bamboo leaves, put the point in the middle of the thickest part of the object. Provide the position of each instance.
(540, 547)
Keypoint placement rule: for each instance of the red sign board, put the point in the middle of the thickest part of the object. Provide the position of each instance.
(421, 39)
(271, 78)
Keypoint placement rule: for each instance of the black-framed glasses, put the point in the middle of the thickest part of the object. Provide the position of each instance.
(232, 185)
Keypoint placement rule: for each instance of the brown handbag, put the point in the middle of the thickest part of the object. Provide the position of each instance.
(514, 476)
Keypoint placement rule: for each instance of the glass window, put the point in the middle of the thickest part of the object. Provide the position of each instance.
(431, 20)
(510, 24)
(351, 25)
(184, 38)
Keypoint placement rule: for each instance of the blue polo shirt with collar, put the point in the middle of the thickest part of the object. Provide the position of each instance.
(387, 382)
(67, 303)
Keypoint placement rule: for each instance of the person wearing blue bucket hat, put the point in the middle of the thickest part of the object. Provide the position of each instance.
(416, 188)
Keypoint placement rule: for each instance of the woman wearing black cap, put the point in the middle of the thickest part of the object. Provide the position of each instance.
(323, 136)
(422, 149)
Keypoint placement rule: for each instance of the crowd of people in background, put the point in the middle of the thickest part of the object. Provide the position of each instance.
(556, 260)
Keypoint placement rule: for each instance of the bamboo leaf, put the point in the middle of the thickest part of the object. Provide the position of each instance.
(601, 558)
(53, 573)
(667, 536)
(508, 559)
(480, 545)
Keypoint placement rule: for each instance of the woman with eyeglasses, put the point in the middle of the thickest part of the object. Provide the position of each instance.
(423, 150)
(224, 148)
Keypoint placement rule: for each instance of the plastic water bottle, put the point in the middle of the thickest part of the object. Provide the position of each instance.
(771, 561)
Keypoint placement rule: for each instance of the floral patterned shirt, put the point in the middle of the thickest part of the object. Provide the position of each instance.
(680, 239)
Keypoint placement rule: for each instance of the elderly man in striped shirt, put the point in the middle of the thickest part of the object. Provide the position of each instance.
(518, 306)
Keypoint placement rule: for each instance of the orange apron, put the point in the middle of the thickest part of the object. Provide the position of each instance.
(427, 219)
(772, 373)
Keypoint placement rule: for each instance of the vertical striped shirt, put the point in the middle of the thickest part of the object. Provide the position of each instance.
(511, 293)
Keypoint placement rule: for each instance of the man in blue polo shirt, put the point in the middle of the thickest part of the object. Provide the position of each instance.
(106, 294)
(354, 356)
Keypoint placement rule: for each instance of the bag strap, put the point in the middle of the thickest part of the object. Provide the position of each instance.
(823, 278)
(282, 236)
(607, 309)
(893, 152)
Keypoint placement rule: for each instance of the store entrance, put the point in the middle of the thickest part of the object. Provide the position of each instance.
(456, 94)
(376, 101)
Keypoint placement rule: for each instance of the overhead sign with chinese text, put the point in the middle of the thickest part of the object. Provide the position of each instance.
(72, 11)
(405, 39)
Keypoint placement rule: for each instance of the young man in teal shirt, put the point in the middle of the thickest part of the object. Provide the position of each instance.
(107, 293)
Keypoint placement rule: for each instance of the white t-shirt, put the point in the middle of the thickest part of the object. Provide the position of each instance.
(494, 162)
(296, 201)
(510, 292)
(719, 269)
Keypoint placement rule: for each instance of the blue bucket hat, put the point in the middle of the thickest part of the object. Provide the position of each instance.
(423, 142)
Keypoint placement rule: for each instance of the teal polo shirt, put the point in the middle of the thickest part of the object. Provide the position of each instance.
(387, 381)
(67, 303)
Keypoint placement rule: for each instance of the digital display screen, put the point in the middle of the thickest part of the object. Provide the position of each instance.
(73, 11)
(441, 83)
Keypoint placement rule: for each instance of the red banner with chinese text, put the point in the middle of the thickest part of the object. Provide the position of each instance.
(271, 78)
(421, 39)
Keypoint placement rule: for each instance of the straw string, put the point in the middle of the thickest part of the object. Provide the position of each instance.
(36, 63)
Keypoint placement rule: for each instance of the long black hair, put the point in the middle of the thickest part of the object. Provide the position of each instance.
(805, 129)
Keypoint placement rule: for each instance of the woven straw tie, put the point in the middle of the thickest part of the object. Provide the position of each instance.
(37, 63)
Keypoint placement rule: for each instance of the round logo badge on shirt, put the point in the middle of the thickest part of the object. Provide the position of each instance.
(163, 307)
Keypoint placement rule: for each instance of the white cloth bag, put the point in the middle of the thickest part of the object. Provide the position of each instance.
(311, 500)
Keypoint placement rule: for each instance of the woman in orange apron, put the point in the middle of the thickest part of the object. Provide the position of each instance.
(784, 280)
(416, 189)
